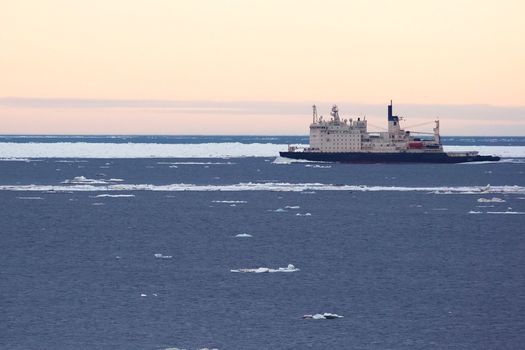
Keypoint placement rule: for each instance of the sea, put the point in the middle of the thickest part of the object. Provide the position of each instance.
(216, 242)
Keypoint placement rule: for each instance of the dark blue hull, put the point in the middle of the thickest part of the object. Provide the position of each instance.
(364, 157)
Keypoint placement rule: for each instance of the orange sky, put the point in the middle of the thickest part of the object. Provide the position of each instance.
(360, 52)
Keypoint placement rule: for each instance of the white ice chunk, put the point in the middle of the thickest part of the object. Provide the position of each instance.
(160, 256)
(318, 166)
(230, 202)
(491, 200)
(114, 195)
(86, 181)
(284, 161)
(243, 235)
(71, 161)
(15, 160)
(324, 316)
(197, 163)
(289, 268)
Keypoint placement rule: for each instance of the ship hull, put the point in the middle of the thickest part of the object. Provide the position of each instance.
(373, 157)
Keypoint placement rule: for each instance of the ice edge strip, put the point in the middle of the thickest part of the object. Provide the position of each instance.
(277, 187)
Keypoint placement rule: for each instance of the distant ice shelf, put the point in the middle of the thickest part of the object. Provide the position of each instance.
(10, 151)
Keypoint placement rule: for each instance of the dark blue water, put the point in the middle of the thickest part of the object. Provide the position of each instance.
(407, 270)
(194, 139)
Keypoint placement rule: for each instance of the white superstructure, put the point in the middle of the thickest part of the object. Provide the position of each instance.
(351, 135)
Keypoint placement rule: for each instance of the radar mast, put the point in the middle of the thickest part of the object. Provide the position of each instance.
(314, 114)
(335, 113)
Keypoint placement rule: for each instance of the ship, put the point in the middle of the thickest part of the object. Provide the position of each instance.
(348, 141)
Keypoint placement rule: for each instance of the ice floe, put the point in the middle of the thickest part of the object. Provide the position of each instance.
(507, 212)
(501, 151)
(318, 166)
(475, 212)
(145, 295)
(289, 268)
(86, 181)
(230, 202)
(292, 207)
(278, 210)
(9, 159)
(161, 256)
(243, 235)
(324, 316)
(284, 161)
(30, 198)
(305, 214)
(491, 200)
(197, 163)
(71, 161)
(114, 195)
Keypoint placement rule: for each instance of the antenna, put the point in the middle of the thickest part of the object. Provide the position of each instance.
(335, 113)
(314, 113)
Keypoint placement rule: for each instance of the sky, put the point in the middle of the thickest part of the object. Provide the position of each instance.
(256, 67)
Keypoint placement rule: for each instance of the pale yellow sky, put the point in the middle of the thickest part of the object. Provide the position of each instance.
(415, 52)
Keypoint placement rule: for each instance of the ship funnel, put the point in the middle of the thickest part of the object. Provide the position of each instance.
(391, 116)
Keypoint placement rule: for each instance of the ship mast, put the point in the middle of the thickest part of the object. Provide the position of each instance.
(314, 114)
(437, 138)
